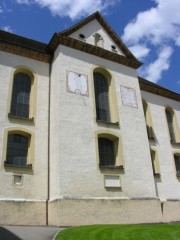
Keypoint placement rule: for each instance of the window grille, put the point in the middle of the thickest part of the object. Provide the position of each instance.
(17, 149)
(102, 97)
(170, 125)
(106, 152)
(21, 95)
(177, 163)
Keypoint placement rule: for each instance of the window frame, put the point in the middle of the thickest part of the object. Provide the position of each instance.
(155, 162)
(177, 171)
(118, 149)
(148, 120)
(30, 154)
(113, 106)
(176, 138)
(32, 97)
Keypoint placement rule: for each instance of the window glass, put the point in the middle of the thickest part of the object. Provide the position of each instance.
(102, 97)
(106, 152)
(17, 149)
(21, 95)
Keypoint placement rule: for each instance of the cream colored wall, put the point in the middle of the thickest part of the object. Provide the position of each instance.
(74, 167)
(34, 184)
(90, 29)
(168, 185)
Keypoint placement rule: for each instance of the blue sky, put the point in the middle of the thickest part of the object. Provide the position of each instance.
(150, 28)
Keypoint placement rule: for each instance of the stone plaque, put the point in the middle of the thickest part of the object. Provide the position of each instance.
(77, 83)
(112, 181)
(128, 96)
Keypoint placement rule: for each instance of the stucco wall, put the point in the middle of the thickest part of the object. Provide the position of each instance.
(74, 164)
(168, 184)
(34, 183)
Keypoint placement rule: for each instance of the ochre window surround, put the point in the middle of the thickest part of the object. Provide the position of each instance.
(148, 119)
(105, 99)
(172, 125)
(155, 162)
(22, 97)
(24, 138)
(109, 150)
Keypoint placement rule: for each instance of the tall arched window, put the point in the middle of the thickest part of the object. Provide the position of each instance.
(20, 100)
(170, 121)
(101, 87)
(17, 150)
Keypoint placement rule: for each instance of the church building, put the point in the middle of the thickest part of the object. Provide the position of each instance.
(83, 139)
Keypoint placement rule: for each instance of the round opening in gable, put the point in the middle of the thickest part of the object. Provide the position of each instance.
(113, 47)
(81, 35)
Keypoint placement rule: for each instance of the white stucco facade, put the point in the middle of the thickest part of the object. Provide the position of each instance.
(65, 178)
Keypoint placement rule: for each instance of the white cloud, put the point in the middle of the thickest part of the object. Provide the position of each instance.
(155, 27)
(1, 10)
(178, 82)
(73, 9)
(140, 51)
(154, 71)
(7, 29)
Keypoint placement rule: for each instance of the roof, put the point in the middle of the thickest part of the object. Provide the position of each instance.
(26, 47)
(154, 88)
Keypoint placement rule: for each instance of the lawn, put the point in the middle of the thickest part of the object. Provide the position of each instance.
(122, 232)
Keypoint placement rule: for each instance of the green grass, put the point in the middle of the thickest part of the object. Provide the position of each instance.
(122, 232)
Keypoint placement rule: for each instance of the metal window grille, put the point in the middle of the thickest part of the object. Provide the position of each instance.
(102, 97)
(21, 95)
(170, 125)
(106, 152)
(17, 149)
(177, 163)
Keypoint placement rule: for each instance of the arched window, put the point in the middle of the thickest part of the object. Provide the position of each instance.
(20, 101)
(106, 152)
(17, 150)
(147, 116)
(170, 121)
(101, 87)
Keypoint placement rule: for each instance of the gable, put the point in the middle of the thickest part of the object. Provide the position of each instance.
(95, 25)
(93, 29)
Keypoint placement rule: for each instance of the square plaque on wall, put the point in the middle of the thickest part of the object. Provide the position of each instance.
(128, 96)
(112, 181)
(77, 83)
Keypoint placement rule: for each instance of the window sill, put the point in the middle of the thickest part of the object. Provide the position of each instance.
(175, 143)
(109, 123)
(121, 167)
(157, 175)
(20, 118)
(8, 166)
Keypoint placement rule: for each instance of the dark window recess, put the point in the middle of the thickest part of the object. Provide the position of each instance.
(17, 149)
(20, 95)
(170, 125)
(106, 152)
(177, 163)
(102, 97)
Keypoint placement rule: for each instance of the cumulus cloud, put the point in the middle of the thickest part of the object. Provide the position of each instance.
(155, 27)
(154, 70)
(73, 9)
(7, 29)
(140, 51)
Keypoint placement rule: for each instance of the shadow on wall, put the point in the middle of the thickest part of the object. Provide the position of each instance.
(7, 235)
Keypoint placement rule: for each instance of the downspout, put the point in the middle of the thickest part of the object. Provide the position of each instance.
(48, 163)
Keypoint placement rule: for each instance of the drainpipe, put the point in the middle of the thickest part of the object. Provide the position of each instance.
(48, 163)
